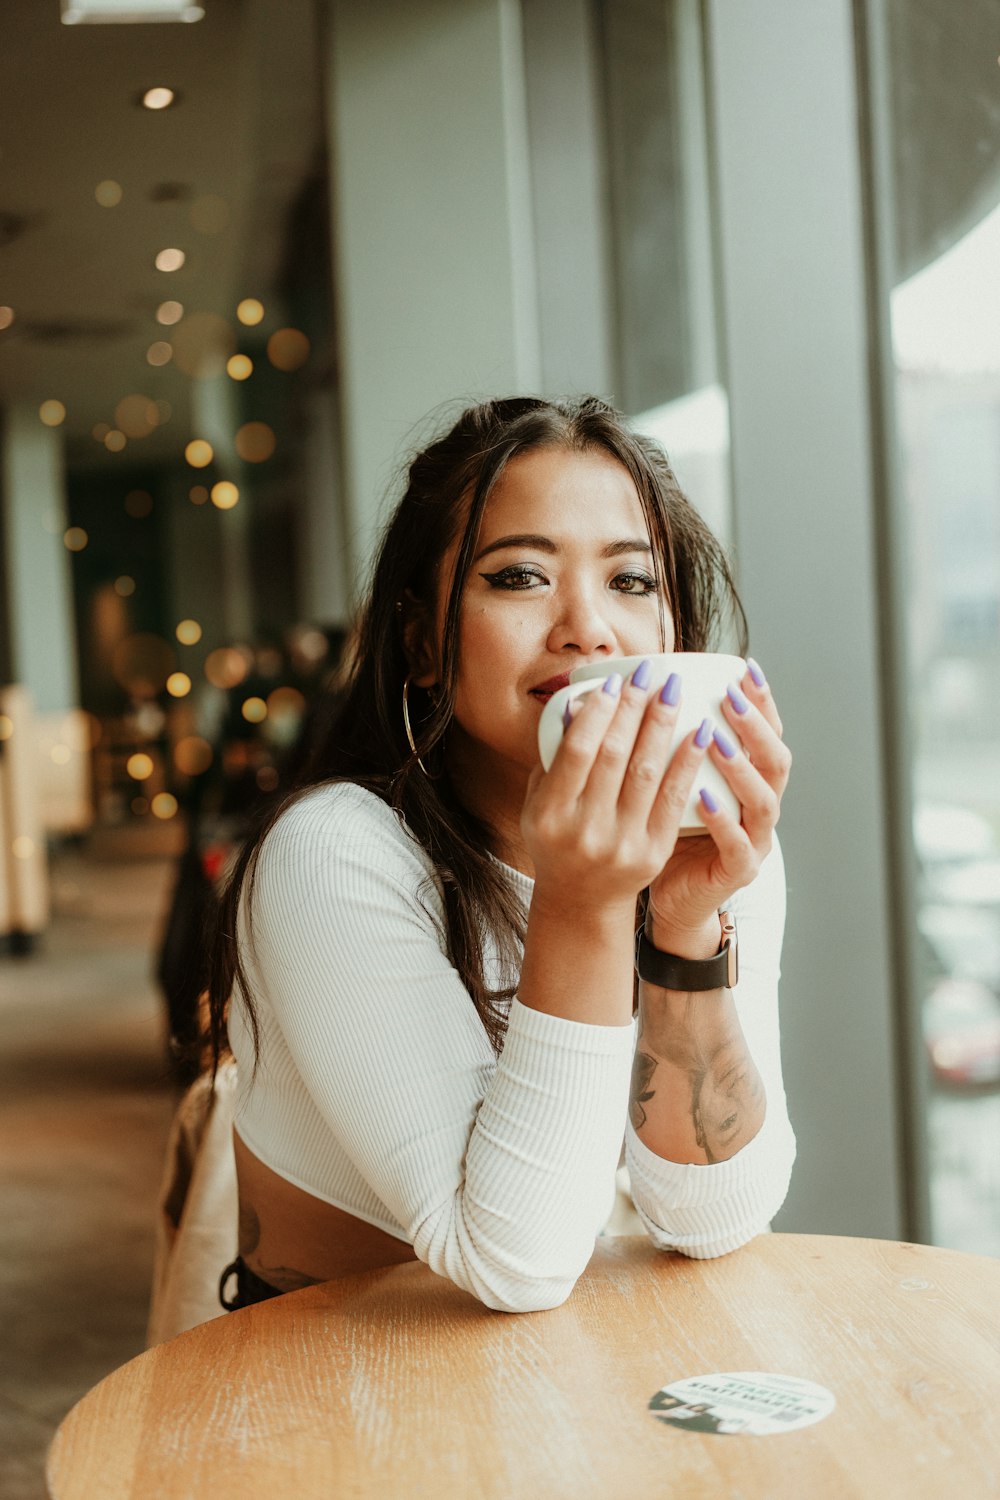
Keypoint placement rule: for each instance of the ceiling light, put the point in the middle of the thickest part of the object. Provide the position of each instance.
(158, 98)
(170, 260)
(78, 12)
(108, 193)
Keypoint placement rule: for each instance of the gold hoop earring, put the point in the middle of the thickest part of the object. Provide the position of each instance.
(406, 722)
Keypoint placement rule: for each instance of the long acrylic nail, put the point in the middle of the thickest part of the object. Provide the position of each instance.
(670, 693)
(756, 673)
(613, 685)
(568, 713)
(737, 699)
(708, 801)
(640, 677)
(704, 734)
(725, 744)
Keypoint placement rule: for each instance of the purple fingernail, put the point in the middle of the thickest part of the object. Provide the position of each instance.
(708, 802)
(725, 744)
(670, 693)
(640, 677)
(737, 699)
(613, 685)
(568, 713)
(756, 673)
(704, 734)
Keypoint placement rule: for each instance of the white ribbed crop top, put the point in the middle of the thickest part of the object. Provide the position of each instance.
(378, 1091)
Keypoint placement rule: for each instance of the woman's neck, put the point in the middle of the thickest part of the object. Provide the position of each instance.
(495, 795)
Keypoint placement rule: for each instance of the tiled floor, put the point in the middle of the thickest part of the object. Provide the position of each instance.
(85, 1102)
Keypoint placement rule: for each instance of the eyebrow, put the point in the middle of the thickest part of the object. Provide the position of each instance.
(546, 544)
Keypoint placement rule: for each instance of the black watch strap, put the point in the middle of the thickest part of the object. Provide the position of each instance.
(692, 974)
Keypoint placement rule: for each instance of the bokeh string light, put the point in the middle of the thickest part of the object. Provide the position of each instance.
(170, 259)
(255, 442)
(288, 349)
(52, 413)
(250, 312)
(109, 193)
(158, 98)
(225, 494)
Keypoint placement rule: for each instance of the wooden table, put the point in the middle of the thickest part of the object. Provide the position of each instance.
(396, 1384)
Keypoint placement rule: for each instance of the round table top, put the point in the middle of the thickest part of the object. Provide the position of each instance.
(397, 1384)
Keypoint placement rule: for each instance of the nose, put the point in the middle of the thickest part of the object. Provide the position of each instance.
(580, 624)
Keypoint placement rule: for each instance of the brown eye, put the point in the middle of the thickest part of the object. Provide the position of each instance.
(634, 583)
(514, 578)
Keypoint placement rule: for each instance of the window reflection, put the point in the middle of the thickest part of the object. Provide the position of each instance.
(945, 323)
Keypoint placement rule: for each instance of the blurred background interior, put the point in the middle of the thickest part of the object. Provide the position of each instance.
(253, 250)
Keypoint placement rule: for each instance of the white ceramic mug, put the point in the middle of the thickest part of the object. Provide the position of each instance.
(704, 676)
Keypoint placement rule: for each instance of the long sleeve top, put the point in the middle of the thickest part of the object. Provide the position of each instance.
(377, 1089)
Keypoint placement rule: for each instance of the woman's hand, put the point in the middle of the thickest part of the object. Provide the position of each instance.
(603, 821)
(703, 872)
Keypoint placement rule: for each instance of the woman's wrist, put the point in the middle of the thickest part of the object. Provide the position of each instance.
(578, 960)
(696, 942)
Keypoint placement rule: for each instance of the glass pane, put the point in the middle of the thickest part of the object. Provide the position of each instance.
(946, 338)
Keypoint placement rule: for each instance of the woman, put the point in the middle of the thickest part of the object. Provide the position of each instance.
(430, 947)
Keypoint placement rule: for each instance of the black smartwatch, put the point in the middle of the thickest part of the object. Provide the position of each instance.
(673, 973)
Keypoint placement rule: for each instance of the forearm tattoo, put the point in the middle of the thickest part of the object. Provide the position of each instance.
(643, 1068)
(703, 1054)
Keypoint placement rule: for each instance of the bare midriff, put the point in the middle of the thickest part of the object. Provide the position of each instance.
(291, 1239)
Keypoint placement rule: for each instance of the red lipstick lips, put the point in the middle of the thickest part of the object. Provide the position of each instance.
(545, 690)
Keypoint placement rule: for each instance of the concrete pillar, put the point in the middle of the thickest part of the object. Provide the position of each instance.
(38, 703)
(435, 282)
(215, 417)
(569, 198)
(37, 581)
(793, 251)
(323, 577)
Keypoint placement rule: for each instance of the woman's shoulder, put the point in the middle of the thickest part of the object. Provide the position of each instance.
(343, 821)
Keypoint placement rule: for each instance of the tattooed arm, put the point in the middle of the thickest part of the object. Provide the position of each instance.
(709, 1146)
(696, 1093)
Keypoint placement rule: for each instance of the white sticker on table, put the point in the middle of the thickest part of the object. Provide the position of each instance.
(749, 1402)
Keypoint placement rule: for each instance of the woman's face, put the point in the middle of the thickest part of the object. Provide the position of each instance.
(562, 574)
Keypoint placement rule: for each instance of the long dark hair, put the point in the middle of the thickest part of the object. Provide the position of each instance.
(447, 489)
